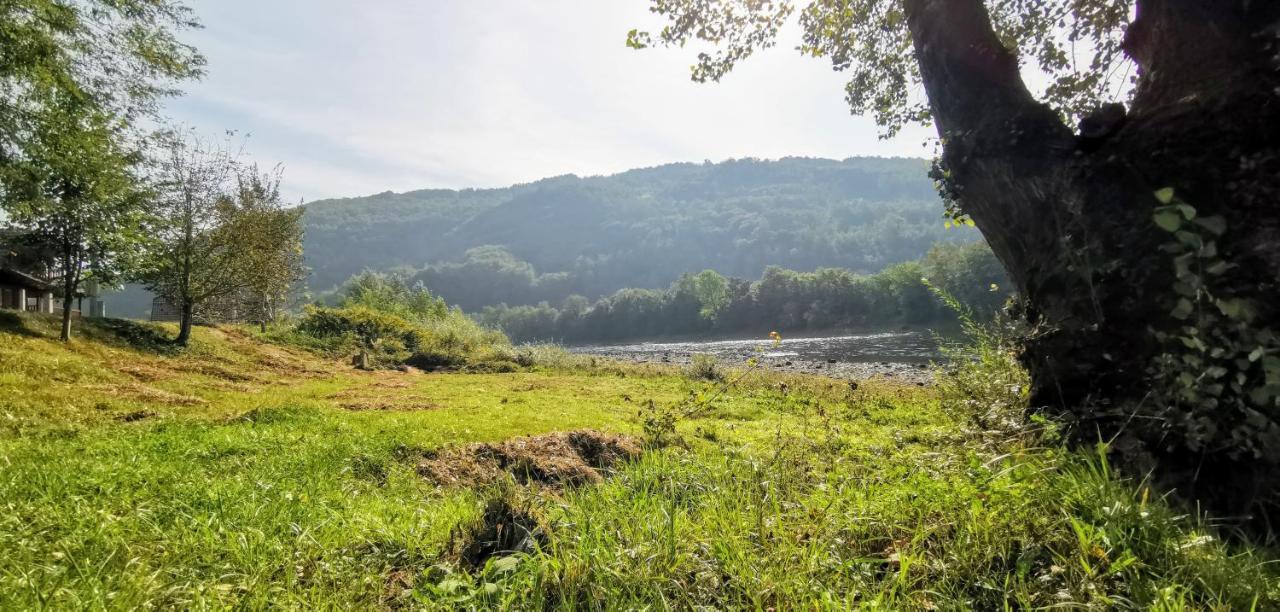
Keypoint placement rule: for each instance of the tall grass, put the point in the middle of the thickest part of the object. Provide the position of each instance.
(980, 379)
(787, 493)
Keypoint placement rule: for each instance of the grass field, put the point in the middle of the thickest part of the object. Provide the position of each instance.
(243, 474)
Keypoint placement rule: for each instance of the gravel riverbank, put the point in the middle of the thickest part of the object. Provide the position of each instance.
(905, 372)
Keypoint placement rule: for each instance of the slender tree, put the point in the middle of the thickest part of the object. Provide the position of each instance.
(270, 236)
(222, 236)
(1143, 239)
(73, 193)
(192, 262)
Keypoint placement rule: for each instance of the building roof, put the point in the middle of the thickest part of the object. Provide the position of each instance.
(11, 276)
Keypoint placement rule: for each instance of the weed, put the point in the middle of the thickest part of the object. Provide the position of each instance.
(704, 367)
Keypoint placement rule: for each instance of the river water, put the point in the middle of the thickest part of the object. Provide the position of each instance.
(886, 353)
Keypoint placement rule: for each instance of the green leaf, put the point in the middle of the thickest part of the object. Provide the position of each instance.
(1164, 195)
(1185, 289)
(1182, 265)
(1257, 354)
(1236, 308)
(1271, 368)
(1187, 211)
(1264, 396)
(503, 565)
(1190, 239)
(1183, 309)
(1215, 224)
(1218, 268)
(1168, 219)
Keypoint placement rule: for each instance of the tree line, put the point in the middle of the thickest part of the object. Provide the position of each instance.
(92, 195)
(708, 303)
(640, 228)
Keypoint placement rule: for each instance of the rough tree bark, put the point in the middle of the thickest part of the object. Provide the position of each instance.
(1070, 214)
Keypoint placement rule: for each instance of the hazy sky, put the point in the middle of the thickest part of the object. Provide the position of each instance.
(360, 97)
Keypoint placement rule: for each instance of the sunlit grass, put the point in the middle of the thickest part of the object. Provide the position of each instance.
(294, 485)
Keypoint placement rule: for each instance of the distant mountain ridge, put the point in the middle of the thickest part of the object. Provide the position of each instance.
(566, 235)
(643, 227)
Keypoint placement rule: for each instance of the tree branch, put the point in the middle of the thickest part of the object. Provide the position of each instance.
(998, 139)
(1189, 50)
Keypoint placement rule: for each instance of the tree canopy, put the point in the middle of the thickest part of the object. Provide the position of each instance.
(120, 57)
(1075, 44)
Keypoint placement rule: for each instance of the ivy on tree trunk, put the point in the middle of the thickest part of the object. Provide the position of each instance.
(1070, 214)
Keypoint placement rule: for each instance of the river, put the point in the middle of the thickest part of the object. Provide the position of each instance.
(889, 353)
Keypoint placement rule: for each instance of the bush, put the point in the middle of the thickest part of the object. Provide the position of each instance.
(386, 339)
(450, 341)
(983, 381)
(704, 367)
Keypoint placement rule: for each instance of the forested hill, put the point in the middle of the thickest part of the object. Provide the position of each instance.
(640, 228)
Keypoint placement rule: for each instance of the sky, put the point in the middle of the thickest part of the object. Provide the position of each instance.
(356, 98)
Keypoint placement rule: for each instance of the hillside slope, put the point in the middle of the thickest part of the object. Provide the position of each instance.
(642, 228)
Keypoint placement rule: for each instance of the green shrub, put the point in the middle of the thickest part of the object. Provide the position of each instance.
(452, 340)
(552, 356)
(704, 367)
(982, 380)
(392, 294)
(385, 338)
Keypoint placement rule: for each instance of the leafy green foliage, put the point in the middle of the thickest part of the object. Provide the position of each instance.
(783, 299)
(1218, 379)
(392, 294)
(391, 339)
(981, 380)
(116, 57)
(224, 246)
(391, 323)
(642, 228)
(1077, 44)
(75, 77)
(270, 238)
(710, 289)
(73, 193)
(704, 367)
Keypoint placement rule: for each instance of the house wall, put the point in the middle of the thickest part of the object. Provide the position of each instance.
(13, 297)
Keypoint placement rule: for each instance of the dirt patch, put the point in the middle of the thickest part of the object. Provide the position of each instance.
(503, 530)
(392, 384)
(144, 393)
(361, 405)
(217, 371)
(562, 459)
(144, 373)
(224, 385)
(137, 415)
(398, 588)
(530, 386)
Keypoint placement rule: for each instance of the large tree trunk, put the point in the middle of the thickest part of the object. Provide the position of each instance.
(1071, 217)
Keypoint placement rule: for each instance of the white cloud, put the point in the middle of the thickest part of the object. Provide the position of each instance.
(356, 98)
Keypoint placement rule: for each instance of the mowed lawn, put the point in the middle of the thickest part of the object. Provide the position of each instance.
(242, 474)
